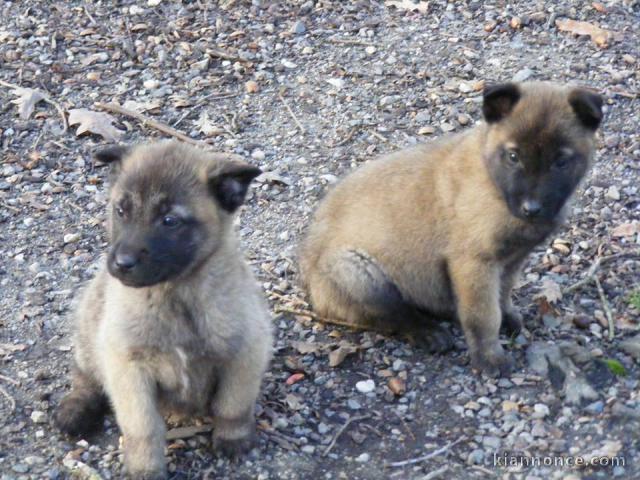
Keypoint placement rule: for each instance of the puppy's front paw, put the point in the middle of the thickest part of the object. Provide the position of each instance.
(493, 363)
(79, 414)
(233, 447)
(511, 322)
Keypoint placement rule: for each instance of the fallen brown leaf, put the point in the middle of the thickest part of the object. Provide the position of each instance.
(305, 347)
(549, 290)
(626, 229)
(9, 348)
(599, 36)
(207, 127)
(26, 101)
(422, 7)
(337, 356)
(94, 122)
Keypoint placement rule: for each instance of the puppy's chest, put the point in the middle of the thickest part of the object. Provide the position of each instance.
(517, 241)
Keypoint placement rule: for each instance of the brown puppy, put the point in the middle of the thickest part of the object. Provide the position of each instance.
(174, 320)
(440, 230)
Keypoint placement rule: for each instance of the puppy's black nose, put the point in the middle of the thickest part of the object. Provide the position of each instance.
(125, 261)
(531, 208)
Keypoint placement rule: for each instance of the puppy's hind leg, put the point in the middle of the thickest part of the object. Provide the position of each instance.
(362, 292)
(83, 409)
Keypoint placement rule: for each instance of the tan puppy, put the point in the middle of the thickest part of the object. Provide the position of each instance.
(174, 320)
(440, 230)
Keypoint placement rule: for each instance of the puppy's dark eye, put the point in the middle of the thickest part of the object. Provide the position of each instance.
(171, 221)
(120, 211)
(562, 162)
(512, 156)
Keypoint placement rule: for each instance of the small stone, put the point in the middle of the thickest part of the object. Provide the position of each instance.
(310, 449)
(38, 417)
(613, 193)
(323, 428)
(630, 59)
(82, 444)
(515, 23)
(631, 346)
(426, 130)
(539, 430)
(363, 458)
(34, 460)
(397, 386)
(522, 75)
(251, 86)
(258, 155)
(540, 410)
(491, 442)
(288, 64)
(298, 27)
(151, 84)
(509, 406)
(476, 457)
(20, 468)
(370, 50)
(336, 82)
(366, 386)
(490, 26)
(93, 76)
(595, 408)
(353, 404)
(463, 119)
(71, 238)
(447, 127)
(280, 423)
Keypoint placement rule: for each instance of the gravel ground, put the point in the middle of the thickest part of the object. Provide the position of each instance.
(310, 90)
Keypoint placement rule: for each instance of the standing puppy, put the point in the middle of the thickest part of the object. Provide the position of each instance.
(440, 230)
(174, 320)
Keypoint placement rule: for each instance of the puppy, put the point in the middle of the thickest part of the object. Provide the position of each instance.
(173, 320)
(440, 230)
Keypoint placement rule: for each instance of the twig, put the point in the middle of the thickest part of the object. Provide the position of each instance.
(293, 115)
(435, 453)
(216, 52)
(349, 41)
(341, 431)
(349, 136)
(606, 307)
(594, 268)
(10, 380)
(93, 20)
(149, 122)
(12, 402)
(202, 101)
(404, 424)
(435, 473)
(47, 99)
(330, 321)
(187, 432)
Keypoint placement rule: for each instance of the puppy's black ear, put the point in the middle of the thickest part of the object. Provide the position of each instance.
(587, 106)
(499, 100)
(112, 155)
(229, 183)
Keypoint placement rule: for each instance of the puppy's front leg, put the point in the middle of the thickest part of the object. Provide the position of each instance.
(476, 284)
(132, 390)
(233, 405)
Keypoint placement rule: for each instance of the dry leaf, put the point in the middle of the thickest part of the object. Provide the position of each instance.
(26, 101)
(550, 290)
(599, 36)
(207, 127)
(305, 347)
(142, 107)
(609, 450)
(293, 401)
(397, 386)
(337, 356)
(94, 122)
(9, 348)
(626, 229)
(422, 7)
(294, 378)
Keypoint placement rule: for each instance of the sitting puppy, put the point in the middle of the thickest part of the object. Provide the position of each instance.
(440, 230)
(173, 320)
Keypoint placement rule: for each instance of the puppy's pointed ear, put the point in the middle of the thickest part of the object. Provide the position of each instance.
(587, 106)
(499, 100)
(113, 156)
(229, 183)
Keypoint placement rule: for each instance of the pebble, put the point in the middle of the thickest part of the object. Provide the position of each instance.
(476, 457)
(298, 27)
(613, 193)
(251, 86)
(310, 449)
(365, 386)
(258, 155)
(20, 468)
(71, 238)
(353, 404)
(38, 417)
(363, 458)
(540, 410)
(522, 75)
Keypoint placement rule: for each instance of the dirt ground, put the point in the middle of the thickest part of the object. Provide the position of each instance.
(309, 90)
